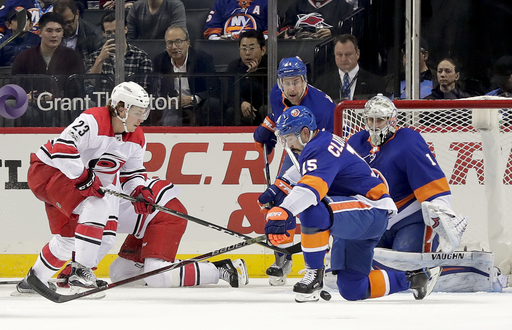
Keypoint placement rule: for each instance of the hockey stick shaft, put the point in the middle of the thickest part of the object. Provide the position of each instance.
(53, 280)
(267, 166)
(21, 19)
(198, 221)
(49, 294)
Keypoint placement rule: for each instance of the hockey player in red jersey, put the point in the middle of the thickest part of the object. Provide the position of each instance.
(103, 147)
(337, 194)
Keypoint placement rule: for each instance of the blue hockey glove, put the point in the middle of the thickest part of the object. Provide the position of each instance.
(277, 220)
(275, 194)
(264, 134)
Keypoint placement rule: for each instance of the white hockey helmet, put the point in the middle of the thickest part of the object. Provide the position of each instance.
(131, 94)
(380, 107)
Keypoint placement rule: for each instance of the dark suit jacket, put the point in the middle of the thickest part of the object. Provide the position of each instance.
(367, 85)
(90, 38)
(198, 62)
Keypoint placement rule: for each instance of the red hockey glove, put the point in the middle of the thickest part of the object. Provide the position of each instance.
(275, 229)
(88, 184)
(146, 200)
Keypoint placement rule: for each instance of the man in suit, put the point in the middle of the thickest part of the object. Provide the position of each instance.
(349, 82)
(79, 35)
(197, 94)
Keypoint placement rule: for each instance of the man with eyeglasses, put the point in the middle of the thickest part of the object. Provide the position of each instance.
(349, 81)
(251, 76)
(79, 35)
(197, 94)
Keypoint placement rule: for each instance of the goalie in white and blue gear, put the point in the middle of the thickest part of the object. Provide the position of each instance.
(425, 223)
(338, 194)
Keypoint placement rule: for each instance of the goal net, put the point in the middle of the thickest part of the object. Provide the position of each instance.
(472, 142)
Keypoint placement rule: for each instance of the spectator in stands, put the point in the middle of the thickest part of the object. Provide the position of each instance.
(349, 82)
(37, 8)
(314, 19)
(448, 75)
(111, 4)
(136, 61)
(428, 77)
(50, 57)
(23, 41)
(198, 94)
(229, 18)
(149, 19)
(502, 77)
(79, 34)
(251, 71)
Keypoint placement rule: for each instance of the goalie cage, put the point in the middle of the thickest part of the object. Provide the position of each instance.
(464, 135)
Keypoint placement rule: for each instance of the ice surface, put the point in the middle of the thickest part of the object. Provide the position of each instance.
(256, 306)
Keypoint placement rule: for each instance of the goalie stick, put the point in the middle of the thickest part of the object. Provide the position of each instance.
(21, 19)
(49, 294)
(294, 249)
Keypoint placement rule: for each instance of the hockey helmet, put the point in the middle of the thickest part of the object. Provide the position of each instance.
(292, 121)
(291, 67)
(131, 93)
(381, 116)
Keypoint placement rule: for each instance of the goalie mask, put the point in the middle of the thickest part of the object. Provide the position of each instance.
(290, 124)
(131, 94)
(380, 116)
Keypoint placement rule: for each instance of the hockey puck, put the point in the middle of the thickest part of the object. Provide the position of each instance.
(325, 295)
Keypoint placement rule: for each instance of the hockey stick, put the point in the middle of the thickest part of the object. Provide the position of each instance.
(49, 294)
(53, 280)
(200, 221)
(21, 19)
(267, 166)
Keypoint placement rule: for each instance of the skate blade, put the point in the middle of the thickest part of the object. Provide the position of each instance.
(307, 297)
(276, 281)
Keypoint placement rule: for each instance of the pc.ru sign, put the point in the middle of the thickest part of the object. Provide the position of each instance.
(7, 109)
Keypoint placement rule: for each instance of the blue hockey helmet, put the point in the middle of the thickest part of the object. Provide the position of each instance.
(291, 67)
(293, 120)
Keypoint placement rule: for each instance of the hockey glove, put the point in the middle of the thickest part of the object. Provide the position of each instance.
(146, 200)
(275, 194)
(277, 220)
(88, 184)
(264, 134)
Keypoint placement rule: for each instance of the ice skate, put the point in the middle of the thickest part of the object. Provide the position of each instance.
(278, 271)
(24, 289)
(82, 279)
(233, 271)
(63, 277)
(422, 281)
(308, 289)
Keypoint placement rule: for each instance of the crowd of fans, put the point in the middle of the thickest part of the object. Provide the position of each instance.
(186, 79)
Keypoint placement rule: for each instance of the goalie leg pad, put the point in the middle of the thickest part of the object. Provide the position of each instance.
(446, 224)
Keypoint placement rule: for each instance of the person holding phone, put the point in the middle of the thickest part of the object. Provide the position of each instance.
(136, 61)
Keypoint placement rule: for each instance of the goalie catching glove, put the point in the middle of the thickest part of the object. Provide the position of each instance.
(277, 220)
(146, 200)
(275, 194)
(446, 224)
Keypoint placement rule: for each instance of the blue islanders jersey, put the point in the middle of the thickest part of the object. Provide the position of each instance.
(331, 167)
(314, 99)
(235, 16)
(407, 166)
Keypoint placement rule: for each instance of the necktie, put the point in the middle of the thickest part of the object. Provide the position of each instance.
(345, 89)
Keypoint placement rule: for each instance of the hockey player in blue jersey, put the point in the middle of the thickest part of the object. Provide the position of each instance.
(425, 222)
(292, 88)
(416, 183)
(336, 193)
(229, 18)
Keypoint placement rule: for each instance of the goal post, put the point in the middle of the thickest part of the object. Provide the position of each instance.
(472, 142)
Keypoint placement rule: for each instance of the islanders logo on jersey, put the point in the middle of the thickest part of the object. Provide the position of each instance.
(237, 24)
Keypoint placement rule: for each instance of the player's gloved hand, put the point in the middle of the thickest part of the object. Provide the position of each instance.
(146, 200)
(88, 184)
(275, 229)
(264, 134)
(274, 194)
